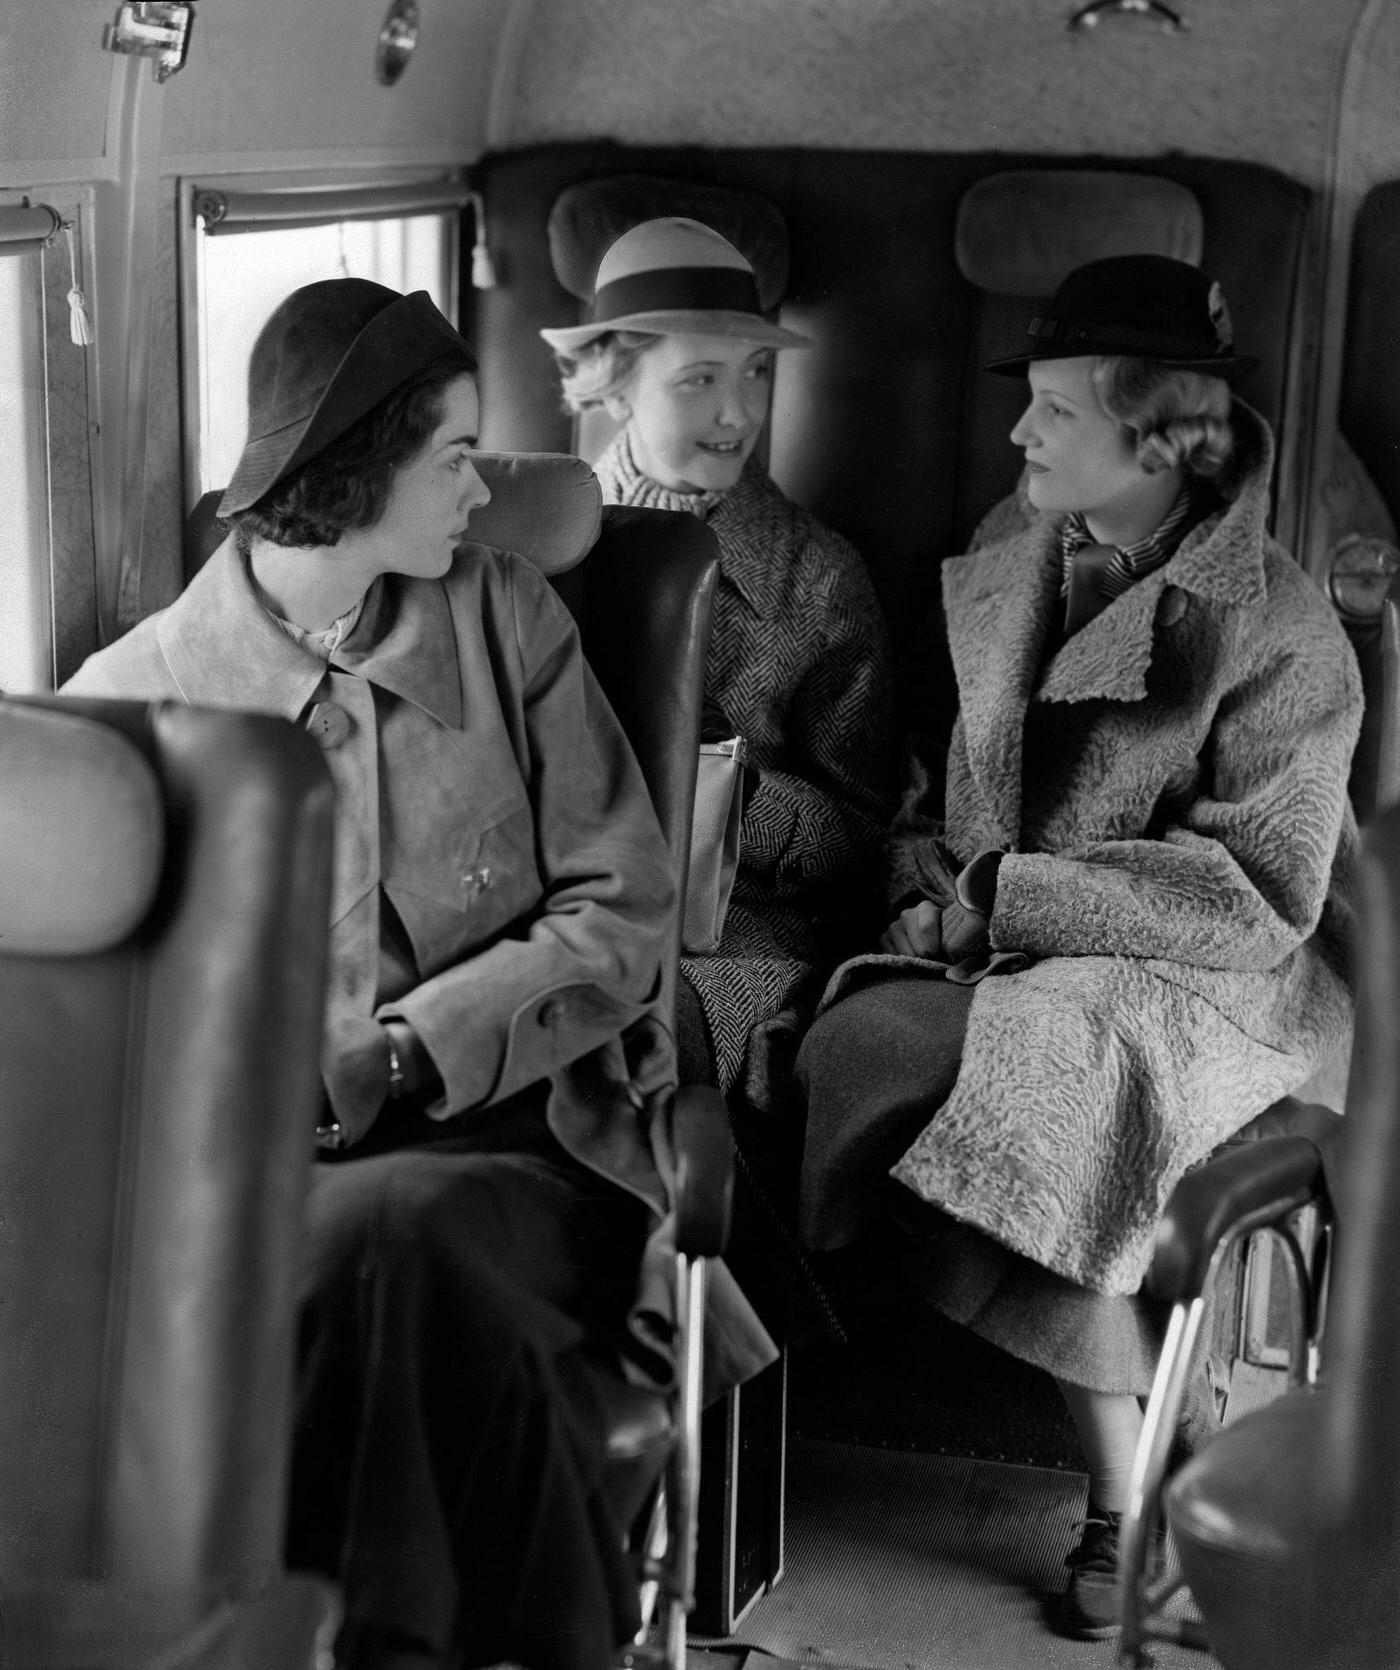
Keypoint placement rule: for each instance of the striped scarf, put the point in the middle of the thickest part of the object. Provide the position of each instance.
(1130, 563)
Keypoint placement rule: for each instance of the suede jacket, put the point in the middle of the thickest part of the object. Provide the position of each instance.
(486, 791)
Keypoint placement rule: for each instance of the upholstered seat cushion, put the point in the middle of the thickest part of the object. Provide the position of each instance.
(82, 834)
(1244, 1516)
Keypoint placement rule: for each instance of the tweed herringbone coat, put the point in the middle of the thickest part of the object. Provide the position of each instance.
(1170, 790)
(799, 662)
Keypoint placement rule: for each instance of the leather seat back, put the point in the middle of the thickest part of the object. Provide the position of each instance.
(642, 599)
(886, 429)
(160, 1085)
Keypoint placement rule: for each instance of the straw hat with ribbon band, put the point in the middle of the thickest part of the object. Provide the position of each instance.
(325, 359)
(1147, 306)
(674, 276)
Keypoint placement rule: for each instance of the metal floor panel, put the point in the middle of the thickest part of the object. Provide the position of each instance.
(904, 1561)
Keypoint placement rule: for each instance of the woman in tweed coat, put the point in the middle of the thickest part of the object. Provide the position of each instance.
(679, 352)
(1123, 929)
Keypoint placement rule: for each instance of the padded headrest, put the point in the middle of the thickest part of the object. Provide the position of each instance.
(590, 216)
(546, 506)
(82, 834)
(1021, 232)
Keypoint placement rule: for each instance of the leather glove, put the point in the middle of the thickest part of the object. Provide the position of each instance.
(966, 923)
(966, 933)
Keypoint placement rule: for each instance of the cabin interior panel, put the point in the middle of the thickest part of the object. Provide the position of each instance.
(54, 80)
(1257, 81)
(266, 77)
(887, 428)
(1370, 395)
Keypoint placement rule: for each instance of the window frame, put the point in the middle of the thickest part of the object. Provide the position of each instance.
(62, 570)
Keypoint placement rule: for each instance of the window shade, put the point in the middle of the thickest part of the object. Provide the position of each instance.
(23, 231)
(225, 212)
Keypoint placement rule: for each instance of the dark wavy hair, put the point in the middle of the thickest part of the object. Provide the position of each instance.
(347, 486)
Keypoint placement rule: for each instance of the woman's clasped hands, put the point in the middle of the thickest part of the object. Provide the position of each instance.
(953, 931)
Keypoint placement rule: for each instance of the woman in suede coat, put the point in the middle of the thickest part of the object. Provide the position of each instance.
(487, 1209)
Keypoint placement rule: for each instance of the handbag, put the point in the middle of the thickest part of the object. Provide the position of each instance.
(714, 842)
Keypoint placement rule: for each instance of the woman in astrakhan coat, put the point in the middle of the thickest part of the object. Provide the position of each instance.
(1120, 914)
(678, 351)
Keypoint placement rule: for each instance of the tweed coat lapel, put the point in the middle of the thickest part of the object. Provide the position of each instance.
(998, 603)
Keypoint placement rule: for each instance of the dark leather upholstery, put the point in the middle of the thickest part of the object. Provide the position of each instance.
(1369, 406)
(158, 1101)
(1287, 1525)
(642, 599)
(887, 429)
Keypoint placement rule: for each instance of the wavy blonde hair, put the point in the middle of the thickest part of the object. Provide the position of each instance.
(1175, 419)
(601, 368)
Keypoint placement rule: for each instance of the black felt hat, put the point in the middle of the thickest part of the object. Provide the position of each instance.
(1148, 306)
(325, 359)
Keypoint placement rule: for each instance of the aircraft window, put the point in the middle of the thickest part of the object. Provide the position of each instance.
(26, 577)
(251, 249)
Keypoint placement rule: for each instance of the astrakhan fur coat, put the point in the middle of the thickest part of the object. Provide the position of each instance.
(1171, 792)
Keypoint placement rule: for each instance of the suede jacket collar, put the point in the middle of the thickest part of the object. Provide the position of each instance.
(224, 650)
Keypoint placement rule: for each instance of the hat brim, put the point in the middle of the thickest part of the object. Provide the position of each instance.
(736, 326)
(405, 338)
(1228, 367)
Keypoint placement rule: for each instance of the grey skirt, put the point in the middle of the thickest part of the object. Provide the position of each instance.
(875, 1067)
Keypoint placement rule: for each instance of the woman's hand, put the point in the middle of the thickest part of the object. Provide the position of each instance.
(415, 1063)
(640, 1061)
(916, 932)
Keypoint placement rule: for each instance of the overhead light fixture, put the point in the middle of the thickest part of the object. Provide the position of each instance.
(397, 40)
(154, 29)
(1154, 11)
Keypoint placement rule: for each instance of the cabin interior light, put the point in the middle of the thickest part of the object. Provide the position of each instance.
(154, 29)
(1154, 11)
(397, 40)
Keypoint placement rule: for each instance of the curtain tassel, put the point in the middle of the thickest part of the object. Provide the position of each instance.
(483, 268)
(79, 324)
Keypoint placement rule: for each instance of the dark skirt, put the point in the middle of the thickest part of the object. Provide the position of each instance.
(876, 1067)
(447, 1459)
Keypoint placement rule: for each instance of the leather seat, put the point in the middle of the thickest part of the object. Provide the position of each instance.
(1288, 1525)
(164, 886)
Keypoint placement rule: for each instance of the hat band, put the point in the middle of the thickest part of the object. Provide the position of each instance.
(675, 289)
(1125, 339)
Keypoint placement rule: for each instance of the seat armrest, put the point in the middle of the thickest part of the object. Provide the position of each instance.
(1237, 1191)
(704, 1180)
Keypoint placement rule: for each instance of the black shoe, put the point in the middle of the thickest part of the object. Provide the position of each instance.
(1088, 1608)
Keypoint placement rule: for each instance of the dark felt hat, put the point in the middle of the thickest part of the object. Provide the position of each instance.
(1148, 306)
(325, 359)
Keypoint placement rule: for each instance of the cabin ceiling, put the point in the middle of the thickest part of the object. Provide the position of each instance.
(279, 83)
(1252, 79)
